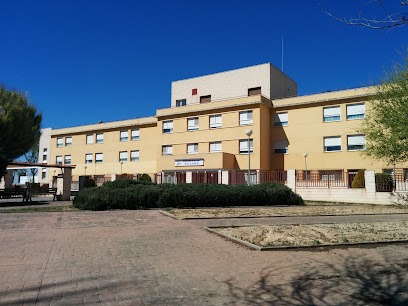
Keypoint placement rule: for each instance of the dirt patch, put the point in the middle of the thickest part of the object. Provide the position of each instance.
(312, 210)
(318, 234)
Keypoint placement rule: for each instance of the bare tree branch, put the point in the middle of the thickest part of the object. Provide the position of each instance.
(387, 22)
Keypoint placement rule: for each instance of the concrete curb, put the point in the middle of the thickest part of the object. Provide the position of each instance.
(299, 247)
(274, 216)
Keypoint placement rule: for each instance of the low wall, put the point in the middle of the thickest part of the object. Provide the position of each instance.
(345, 195)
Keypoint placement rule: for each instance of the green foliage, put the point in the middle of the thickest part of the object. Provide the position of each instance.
(385, 126)
(145, 177)
(123, 183)
(131, 194)
(88, 182)
(358, 180)
(20, 126)
(383, 182)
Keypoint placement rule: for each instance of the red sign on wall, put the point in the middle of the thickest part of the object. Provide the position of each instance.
(194, 91)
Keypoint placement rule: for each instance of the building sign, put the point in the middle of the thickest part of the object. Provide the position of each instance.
(189, 162)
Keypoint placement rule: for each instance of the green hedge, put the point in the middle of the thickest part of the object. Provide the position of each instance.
(132, 195)
(383, 182)
(359, 180)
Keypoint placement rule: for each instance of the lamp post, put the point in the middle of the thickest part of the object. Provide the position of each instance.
(85, 169)
(248, 132)
(121, 163)
(305, 156)
(2, 111)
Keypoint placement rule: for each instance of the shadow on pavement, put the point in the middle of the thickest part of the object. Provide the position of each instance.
(20, 203)
(360, 281)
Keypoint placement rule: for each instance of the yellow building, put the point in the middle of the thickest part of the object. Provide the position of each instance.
(205, 128)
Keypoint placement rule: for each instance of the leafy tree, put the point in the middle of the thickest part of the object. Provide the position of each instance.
(385, 125)
(19, 127)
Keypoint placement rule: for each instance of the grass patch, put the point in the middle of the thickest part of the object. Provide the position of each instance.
(39, 209)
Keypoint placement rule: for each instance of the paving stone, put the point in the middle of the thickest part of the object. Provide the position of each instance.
(145, 258)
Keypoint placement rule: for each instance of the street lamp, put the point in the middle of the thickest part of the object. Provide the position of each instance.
(85, 169)
(121, 163)
(305, 156)
(248, 132)
(2, 111)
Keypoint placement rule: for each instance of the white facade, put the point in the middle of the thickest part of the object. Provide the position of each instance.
(44, 155)
(236, 83)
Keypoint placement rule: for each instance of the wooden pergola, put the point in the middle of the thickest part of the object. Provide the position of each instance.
(63, 181)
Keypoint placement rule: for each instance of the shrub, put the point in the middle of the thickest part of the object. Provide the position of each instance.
(145, 177)
(130, 194)
(383, 182)
(88, 182)
(358, 180)
(124, 183)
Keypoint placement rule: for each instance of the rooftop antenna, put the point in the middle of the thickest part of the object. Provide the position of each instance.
(282, 53)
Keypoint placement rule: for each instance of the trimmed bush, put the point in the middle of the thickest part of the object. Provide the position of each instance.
(130, 194)
(88, 182)
(123, 183)
(145, 178)
(358, 180)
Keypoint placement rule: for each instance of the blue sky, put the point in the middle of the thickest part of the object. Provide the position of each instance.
(85, 61)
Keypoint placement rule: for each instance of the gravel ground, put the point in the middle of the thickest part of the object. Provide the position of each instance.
(308, 210)
(317, 234)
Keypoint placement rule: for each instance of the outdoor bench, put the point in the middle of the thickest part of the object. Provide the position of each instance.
(52, 191)
(14, 192)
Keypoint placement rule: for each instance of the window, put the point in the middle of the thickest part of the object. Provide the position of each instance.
(98, 158)
(167, 150)
(215, 146)
(215, 121)
(67, 159)
(280, 119)
(43, 173)
(45, 155)
(355, 111)
(89, 158)
(89, 139)
(60, 142)
(134, 155)
(124, 135)
(192, 148)
(205, 99)
(168, 126)
(332, 144)
(68, 141)
(331, 175)
(243, 146)
(356, 142)
(135, 134)
(123, 156)
(58, 160)
(254, 91)
(331, 114)
(181, 102)
(192, 124)
(280, 147)
(99, 138)
(245, 118)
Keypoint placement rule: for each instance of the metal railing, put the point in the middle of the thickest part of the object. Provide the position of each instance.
(323, 179)
(386, 183)
(273, 176)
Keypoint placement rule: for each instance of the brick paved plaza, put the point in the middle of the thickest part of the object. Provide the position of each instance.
(146, 258)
